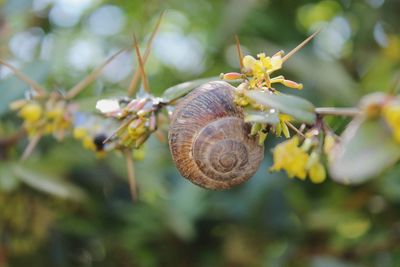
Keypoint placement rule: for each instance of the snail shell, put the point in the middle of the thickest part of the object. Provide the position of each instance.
(209, 141)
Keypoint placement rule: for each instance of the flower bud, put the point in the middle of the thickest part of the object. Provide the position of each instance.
(231, 76)
(255, 128)
(329, 142)
(292, 84)
(31, 112)
(79, 133)
(285, 129)
(317, 173)
(262, 137)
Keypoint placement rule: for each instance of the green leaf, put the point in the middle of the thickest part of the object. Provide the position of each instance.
(49, 185)
(297, 107)
(366, 149)
(182, 89)
(268, 116)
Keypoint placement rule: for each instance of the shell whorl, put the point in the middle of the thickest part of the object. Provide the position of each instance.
(210, 142)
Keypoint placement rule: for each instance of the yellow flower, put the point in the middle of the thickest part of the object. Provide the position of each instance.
(55, 113)
(266, 61)
(31, 112)
(137, 128)
(329, 142)
(276, 62)
(317, 173)
(271, 63)
(391, 113)
(80, 133)
(285, 117)
(88, 143)
(290, 157)
(249, 62)
(258, 71)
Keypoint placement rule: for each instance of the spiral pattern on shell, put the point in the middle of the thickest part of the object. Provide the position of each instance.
(209, 141)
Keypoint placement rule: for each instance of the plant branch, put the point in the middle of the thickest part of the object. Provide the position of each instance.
(239, 51)
(91, 77)
(31, 146)
(41, 91)
(291, 126)
(300, 46)
(131, 174)
(351, 112)
(136, 76)
(141, 66)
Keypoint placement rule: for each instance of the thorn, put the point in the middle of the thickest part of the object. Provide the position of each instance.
(239, 51)
(291, 126)
(300, 46)
(131, 174)
(31, 146)
(124, 124)
(41, 91)
(136, 75)
(141, 67)
(74, 91)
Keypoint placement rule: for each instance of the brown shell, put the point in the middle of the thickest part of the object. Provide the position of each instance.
(209, 141)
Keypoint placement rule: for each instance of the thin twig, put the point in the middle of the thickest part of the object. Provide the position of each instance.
(131, 174)
(300, 46)
(351, 112)
(291, 126)
(31, 146)
(74, 91)
(124, 124)
(239, 51)
(141, 66)
(136, 75)
(41, 91)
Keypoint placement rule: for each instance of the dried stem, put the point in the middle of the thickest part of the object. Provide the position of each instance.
(136, 76)
(91, 77)
(124, 124)
(131, 174)
(239, 51)
(31, 146)
(141, 66)
(41, 91)
(300, 46)
(351, 112)
(291, 126)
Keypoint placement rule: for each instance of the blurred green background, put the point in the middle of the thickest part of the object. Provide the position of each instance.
(64, 207)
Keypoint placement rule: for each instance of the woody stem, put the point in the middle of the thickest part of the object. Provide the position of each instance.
(351, 112)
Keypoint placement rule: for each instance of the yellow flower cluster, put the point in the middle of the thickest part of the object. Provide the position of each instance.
(88, 141)
(138, 120)
(391, 113)
(256, 74)
(48, 118)
(82, 134)
(136, 132)
(258, 71)
(296, 161)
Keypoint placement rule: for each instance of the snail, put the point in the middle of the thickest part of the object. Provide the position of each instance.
(209, 141)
